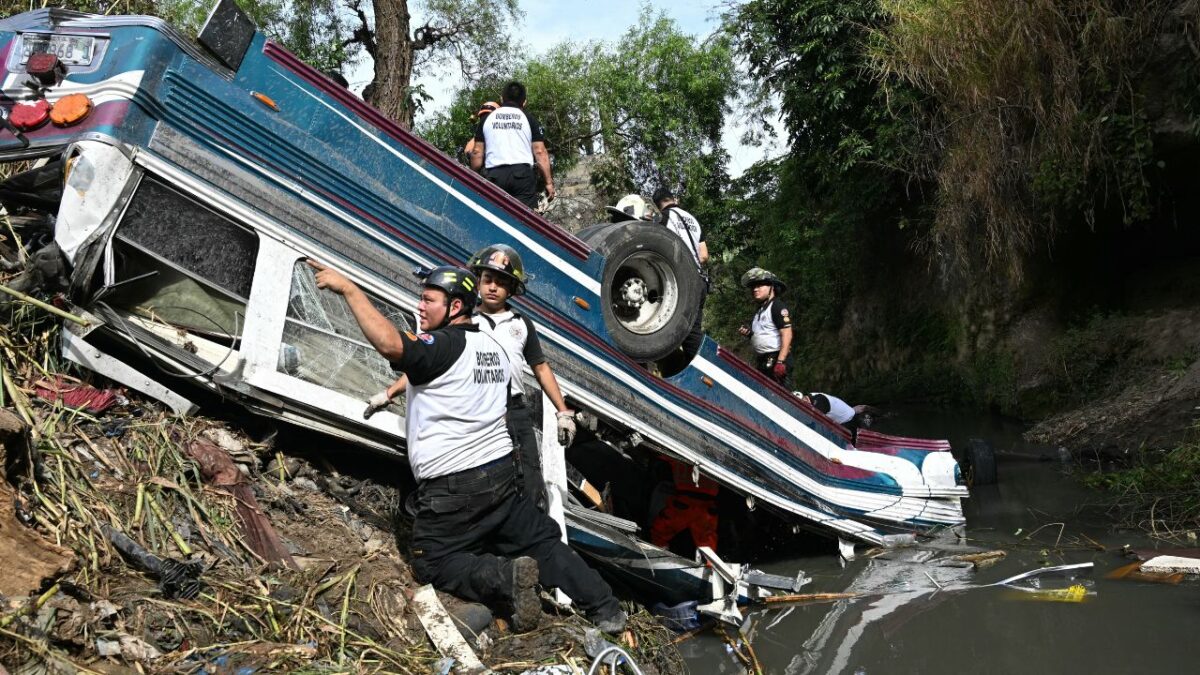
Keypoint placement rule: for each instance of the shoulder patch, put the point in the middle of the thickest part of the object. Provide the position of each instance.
(783, 312)
(426, 338)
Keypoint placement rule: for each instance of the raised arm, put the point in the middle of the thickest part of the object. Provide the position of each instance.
(376, 327)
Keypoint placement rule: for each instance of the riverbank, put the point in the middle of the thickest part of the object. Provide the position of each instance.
(134, 539)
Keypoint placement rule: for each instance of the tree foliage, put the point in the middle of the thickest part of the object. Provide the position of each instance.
(472, 35)
(1039, 114)
(817, 215)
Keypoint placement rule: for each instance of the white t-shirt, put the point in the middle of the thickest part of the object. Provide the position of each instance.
(687, 227)
(764, 335)
(507, 134)
(839, 410)
(519, 339)
(457, 400)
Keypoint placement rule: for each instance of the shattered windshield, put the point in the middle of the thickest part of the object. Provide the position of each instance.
(323, 344)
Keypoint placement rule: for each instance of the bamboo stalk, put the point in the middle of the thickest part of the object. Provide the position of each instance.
(19, 402)
(141, 500)
(345, 611)
(162, 518)
(45, 306)
(44, 652)
(41, 600)
(806, 597)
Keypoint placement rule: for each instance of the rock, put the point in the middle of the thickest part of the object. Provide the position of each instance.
(306, 484)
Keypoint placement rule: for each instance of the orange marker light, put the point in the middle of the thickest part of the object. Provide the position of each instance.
(708, 381)
(71, 109)
(265, 100)
(582, 303)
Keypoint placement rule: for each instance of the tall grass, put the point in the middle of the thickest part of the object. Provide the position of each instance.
(1035, 114)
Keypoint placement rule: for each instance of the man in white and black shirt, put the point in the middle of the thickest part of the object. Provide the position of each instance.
(473, 535)
(502, 276)
(688, 228)
(508, 144)
(770, 331)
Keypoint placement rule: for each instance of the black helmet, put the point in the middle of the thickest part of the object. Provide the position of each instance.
(757, 275)
(456, 282)
(503, 259)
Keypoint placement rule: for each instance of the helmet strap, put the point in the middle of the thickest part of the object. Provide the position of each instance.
(451, 317)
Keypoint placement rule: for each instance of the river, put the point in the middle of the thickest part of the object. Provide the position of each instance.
(1122, 626)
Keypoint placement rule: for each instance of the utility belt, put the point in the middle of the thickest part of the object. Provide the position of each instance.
(473, 474)
(766, 359)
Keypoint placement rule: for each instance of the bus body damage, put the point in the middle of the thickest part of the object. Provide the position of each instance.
(199, 184)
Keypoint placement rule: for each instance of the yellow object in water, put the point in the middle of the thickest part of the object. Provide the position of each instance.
(1075, 593)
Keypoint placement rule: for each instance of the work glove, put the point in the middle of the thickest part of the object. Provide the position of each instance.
(566, 427)
(779, 370)
(376, 403)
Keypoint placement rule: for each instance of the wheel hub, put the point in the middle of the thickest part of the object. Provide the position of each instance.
(633, 293)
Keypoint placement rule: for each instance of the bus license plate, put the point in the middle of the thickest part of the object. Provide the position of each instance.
(72, 50)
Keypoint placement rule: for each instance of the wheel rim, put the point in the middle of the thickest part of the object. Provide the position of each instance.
(645, 293)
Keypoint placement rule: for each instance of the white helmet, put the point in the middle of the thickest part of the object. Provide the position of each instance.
(631, 207)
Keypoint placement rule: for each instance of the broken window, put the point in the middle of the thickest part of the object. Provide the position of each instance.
(323, 344)
(179, 262)
(148, 286)
(190, 236)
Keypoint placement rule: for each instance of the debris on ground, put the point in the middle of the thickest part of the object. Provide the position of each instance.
(134, 538)
(74, 394)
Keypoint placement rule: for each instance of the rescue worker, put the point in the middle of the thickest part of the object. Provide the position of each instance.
(688, 228)
(630, 207)
(473, 535)
(484, 110)
(502, 276)
(852, 418)
(692, 507)
(770, 331)
(507, 145)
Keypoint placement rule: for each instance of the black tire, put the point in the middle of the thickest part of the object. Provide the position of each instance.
(981, 462)
(650, 289)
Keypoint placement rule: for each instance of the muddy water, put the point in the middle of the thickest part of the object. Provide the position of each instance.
(1123, 627)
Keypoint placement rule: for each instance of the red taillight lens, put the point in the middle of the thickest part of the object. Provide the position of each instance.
(30, 116)
(46, 69)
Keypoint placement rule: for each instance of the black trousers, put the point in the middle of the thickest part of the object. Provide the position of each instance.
(765, 363)
(521, 427)
(518, 180)
(471, 524)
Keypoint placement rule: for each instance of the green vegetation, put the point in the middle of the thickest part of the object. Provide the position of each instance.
(1159, 492)
(652, 106)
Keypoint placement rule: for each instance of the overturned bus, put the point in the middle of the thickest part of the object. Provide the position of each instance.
(183, 186)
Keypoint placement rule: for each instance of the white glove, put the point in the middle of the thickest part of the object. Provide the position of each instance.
(566, 427)
(376, 403)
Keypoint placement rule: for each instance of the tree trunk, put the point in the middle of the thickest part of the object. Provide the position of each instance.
(393, 62)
